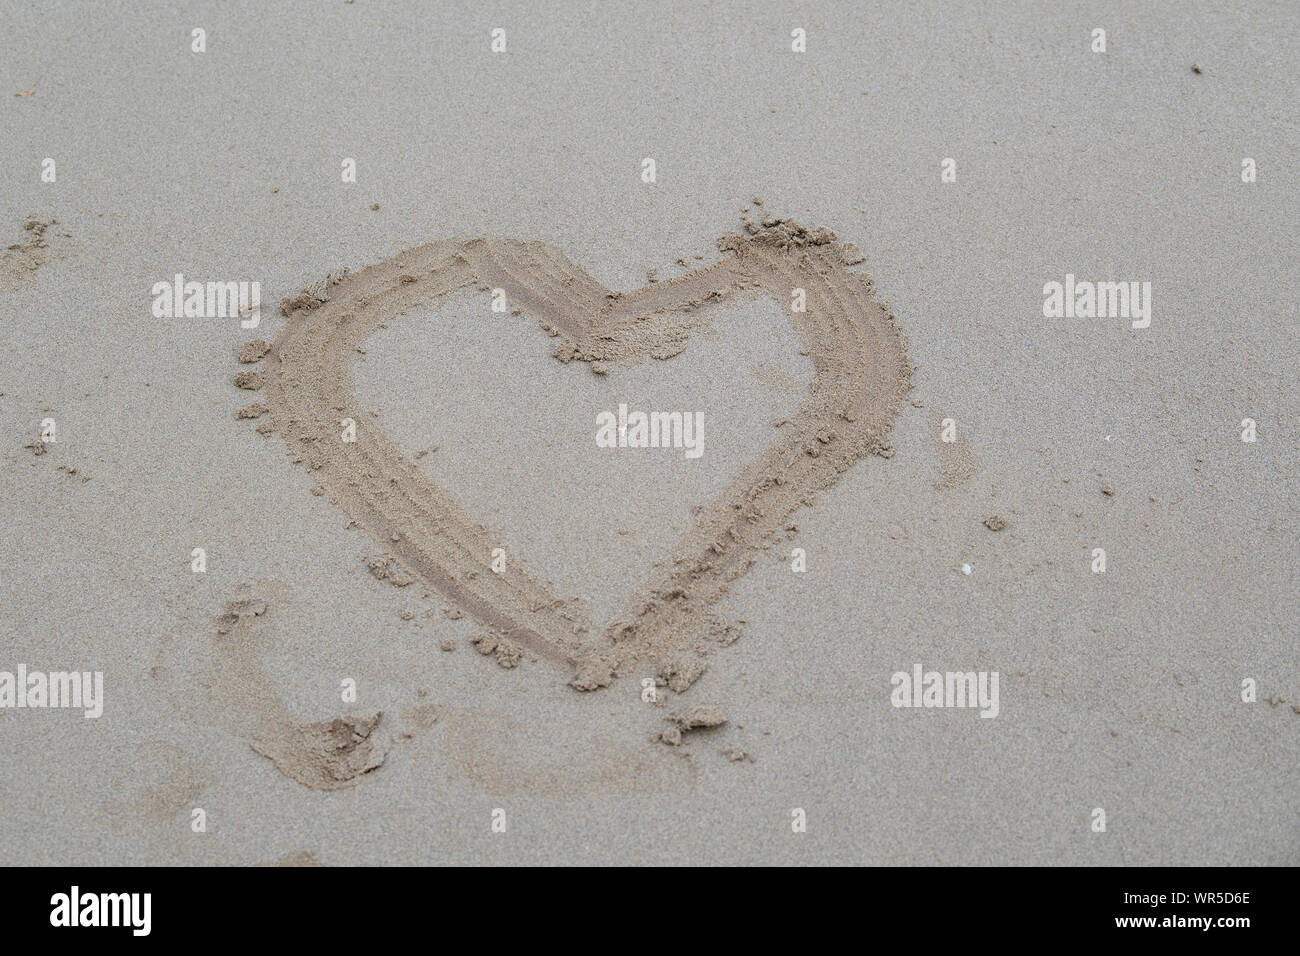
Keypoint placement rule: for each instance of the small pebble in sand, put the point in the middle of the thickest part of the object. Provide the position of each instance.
(1108, 491)
(694, 718)
(448, 644)
(995, 522)
(699, 716)
(507, 653)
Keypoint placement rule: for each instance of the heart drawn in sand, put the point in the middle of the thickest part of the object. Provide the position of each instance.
(861, 374)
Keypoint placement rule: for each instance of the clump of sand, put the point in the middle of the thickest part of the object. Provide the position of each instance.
(679, 675)
(313, 295)
(699, 717)
(254, 351)
(328, 755)
(507, 653)
(384, 567)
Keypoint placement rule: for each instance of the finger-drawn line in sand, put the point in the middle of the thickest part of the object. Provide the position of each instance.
(328, 755)
(861, 374)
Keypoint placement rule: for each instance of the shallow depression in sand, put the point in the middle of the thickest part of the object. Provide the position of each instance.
(516, 442)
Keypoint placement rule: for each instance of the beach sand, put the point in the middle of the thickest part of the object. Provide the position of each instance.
(225, 690)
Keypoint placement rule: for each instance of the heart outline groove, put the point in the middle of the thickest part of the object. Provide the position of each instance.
(861, 374)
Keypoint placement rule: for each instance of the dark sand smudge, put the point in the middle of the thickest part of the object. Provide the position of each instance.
(21, 259)
(300, 858)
